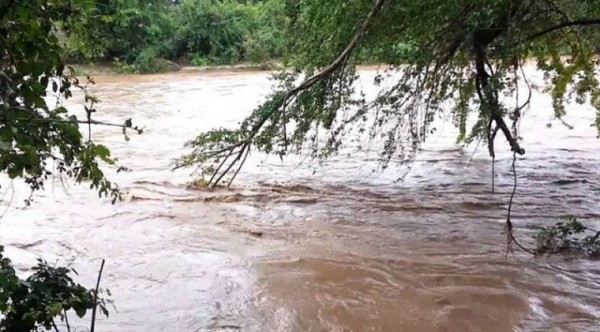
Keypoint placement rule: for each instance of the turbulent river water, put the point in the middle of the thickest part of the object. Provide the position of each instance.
(301, 246)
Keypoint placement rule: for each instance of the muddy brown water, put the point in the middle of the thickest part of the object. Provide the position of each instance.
(302, 246)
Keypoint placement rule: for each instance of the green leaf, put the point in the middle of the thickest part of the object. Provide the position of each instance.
(55, 309)
(80, 310)
(104, 310)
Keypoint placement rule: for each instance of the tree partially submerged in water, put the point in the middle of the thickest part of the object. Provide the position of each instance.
(466, 55)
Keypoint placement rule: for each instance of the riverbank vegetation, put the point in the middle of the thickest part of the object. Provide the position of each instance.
(158, 35)
(45, 298)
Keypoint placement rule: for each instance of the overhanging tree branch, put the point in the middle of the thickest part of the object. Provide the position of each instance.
(328, 70)
(582, 22)
(281, 102)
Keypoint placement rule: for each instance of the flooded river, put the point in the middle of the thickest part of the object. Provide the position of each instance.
(302, 246)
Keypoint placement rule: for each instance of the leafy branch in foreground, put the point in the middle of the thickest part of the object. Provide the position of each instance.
(44, 298)
(38, 140)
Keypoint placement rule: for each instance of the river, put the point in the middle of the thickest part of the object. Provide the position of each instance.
(297, 245)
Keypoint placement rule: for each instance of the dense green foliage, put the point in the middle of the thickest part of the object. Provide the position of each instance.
(196, 32)
(32, 133)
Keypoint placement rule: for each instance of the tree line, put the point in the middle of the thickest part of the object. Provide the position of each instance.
(134, 33)
(137, 36)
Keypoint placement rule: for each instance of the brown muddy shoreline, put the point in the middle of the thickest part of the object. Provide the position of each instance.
(106, 73)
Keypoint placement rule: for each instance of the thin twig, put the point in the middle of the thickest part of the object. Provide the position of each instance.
(474, 151)
(240, 167)
(565, 123)
(12, 195)
(67, 321)
(491, 138)
(89, 120)
(95, 308)
(221, 165)
(93, 122)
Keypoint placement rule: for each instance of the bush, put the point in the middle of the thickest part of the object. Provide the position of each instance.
(265, 40)
(145, 62)
(213, 30)
(198, 60)
(43, 298)
(120, 29)
(568, 237)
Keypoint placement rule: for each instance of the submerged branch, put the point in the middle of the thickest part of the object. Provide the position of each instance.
(239, 167)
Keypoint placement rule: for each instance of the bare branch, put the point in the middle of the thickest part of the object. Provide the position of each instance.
(514, 145)
(93, 322)
(240, 167)
(562, 25)
(67, 321)
(237, 158)
(221, 165)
